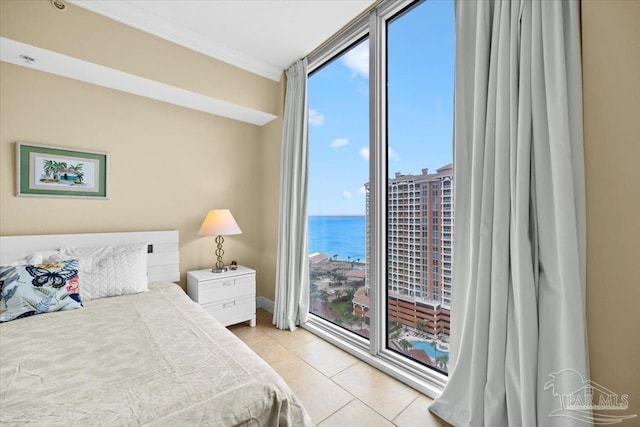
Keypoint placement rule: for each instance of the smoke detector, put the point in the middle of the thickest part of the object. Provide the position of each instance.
(59, 5)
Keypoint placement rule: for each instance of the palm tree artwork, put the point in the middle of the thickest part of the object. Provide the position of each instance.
(49, 168)
(58, 167)
(77, 169)
(53, 168)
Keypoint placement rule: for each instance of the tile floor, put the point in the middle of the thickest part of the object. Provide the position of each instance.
(336, 388)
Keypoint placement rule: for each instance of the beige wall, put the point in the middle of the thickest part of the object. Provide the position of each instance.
(91, 37)
(611, 75)
(169, 164)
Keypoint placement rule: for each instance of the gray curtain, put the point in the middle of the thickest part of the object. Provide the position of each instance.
(292, 270)
(518, 305)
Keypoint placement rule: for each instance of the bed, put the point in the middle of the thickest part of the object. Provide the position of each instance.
(147, 358)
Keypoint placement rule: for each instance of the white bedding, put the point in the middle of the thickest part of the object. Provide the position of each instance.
(153, 358)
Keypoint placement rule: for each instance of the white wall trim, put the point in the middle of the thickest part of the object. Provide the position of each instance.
(265, 304)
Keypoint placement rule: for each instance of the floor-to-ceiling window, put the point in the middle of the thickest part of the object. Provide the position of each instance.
(338, 175)
(419, 77)
(380, 187)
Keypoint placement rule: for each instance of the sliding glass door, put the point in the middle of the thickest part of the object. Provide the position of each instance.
(380, 188)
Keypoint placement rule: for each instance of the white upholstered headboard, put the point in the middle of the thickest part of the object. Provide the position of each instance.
(163, 255)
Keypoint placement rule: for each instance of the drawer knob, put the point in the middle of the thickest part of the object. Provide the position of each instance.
(229, 283)
(229, 304)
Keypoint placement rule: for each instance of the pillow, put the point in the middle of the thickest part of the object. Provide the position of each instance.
(109, 271)
(36, 258)
(26, 290)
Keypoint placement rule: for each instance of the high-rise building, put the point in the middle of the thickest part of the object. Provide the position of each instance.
(420, 222)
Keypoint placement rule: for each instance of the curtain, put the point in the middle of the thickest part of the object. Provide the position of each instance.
(518, 343)
(292, 264)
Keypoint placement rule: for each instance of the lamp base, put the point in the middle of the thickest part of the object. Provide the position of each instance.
(219, 267)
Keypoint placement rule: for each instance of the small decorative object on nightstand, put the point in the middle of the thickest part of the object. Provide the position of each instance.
(233, 265)
(230, 297)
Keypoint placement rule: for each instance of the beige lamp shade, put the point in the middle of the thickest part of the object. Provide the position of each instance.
(219, 222)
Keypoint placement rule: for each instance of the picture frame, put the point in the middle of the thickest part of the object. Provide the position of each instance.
(50, 171)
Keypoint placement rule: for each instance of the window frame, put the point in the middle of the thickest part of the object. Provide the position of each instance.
(373, 351)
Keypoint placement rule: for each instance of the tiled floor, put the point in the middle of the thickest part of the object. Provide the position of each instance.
(336, 388)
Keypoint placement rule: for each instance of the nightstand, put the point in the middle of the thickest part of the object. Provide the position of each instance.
(230, 297)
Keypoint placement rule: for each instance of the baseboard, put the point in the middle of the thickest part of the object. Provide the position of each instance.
(265, 304)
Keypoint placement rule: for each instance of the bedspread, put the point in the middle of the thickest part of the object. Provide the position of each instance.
(153, 358)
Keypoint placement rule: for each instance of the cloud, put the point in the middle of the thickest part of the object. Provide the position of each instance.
(357, 60)
(362, 191)
(364, 153)
(347, 194)
(315, 118)
(338, 143)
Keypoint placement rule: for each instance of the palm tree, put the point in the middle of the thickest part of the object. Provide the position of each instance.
(434, 344)
(78, 171)
(440, 327)
(422, 323)
(395, 334)
(350, 294)
(445, 360)
(49, 168)
(405, 344)
(58, 166)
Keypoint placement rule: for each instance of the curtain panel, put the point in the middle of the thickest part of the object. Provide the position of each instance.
(518, 343)
(291, 306)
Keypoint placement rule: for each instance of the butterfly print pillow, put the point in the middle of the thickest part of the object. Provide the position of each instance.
(27, 290)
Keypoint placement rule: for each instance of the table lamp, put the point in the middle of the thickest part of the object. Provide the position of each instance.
(219, 222)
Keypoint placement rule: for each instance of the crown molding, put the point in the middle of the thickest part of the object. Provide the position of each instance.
(126, 13)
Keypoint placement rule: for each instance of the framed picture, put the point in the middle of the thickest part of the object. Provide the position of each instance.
(47, 171)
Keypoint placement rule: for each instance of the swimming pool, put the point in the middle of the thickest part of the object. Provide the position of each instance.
(426, 346)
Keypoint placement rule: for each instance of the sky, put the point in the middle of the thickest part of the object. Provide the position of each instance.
(420, 74)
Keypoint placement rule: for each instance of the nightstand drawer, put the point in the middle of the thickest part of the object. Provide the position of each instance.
(217, 290)
(229, 296)
(232, 311)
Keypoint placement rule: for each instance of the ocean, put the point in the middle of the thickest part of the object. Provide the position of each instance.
(338, 235)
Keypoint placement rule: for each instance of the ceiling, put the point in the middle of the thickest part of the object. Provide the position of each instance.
(261, 36)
